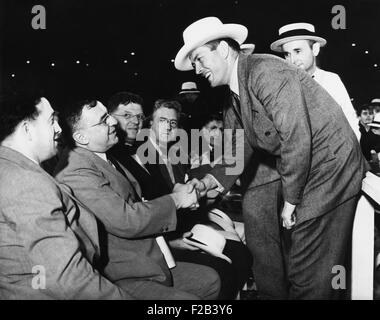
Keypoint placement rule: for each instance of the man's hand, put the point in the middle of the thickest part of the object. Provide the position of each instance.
(199, 185)
(205, 186)
(185, 196)
(182, 245)
(288, 215)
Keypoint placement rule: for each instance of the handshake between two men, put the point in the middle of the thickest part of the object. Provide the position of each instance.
(188, 195)
(194, 189)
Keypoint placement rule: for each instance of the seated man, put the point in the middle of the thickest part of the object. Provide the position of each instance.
(165, 176)
(128, 225)
(46, 250)
(212, 133)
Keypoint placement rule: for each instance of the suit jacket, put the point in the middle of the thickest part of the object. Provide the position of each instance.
(127, 225)
(152, 185)
(160, 172)
(298, 126)
(40, 227)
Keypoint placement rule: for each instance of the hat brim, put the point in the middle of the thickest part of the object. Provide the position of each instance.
(234, 31)
(207, 249)
(189, 91)
(374, 125)
(277, 45)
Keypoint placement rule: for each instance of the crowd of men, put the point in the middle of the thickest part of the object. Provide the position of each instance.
(103, 202)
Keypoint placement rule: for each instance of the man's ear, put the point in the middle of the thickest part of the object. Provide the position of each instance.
(25, 127)
(79, 138)
(223, 49)
(315, 48)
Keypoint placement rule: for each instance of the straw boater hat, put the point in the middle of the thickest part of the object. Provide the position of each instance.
(189, 87)
(296, 31)
(376, 121)
(209, 240)
(204, 30)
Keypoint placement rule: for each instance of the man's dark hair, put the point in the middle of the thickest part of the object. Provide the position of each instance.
(123, 98)
(15, 108)
(366, 106)
(170, 104)
(71, 116)
(211, 117)
(232, 43)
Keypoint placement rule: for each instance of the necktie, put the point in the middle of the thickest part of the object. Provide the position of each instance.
(235, 102)
(116, 165)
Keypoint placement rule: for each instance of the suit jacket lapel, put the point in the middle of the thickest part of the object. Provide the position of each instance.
(247, 107)
(106, 167)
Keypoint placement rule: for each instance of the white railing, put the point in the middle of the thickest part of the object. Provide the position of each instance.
(363, 240)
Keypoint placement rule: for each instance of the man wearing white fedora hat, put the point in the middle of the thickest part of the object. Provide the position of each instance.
(301, 46)
(309, 163)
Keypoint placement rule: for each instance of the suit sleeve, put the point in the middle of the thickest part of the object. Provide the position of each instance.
(281, 95)
(120, 215)
(38, 215)
(236, 155)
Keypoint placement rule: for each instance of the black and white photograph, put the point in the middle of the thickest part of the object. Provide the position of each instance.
(201, 156)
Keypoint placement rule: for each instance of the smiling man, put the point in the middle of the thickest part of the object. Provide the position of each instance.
(309, 165)
(47, 249)
(128, 226)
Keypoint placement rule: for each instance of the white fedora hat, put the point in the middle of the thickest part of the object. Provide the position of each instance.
(296, 31)
(224, 221)
(189, 87)
(209, 240)
(376, 121)
(202, 31)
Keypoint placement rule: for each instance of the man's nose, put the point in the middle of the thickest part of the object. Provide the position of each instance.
(135, 119)
(111, 121)
(57, 128)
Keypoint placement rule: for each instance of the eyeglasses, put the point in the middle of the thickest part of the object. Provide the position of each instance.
(128, 116)
(172, 123)
(102, 122)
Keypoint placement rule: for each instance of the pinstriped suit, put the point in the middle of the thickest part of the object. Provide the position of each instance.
(314, 156)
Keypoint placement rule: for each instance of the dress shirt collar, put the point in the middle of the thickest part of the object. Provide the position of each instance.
(102, 156)
(234, 83)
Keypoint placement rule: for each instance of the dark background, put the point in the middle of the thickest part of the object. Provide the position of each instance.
(102, 34)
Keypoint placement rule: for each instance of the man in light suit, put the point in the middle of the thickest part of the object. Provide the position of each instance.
(46, 250)
(313, 160)
(129, 225)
